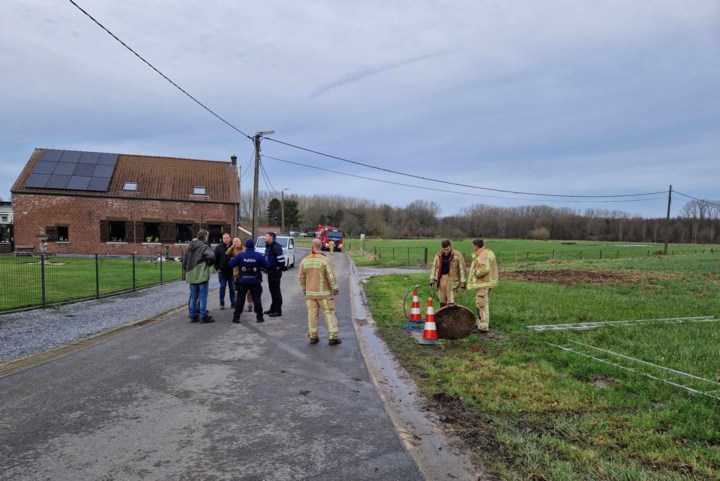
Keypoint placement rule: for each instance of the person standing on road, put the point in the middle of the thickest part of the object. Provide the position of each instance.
(224, 271)
(482, 278)
(448, 273)
(250, 265)
(276, 262)
(319, 283)
(196, 263)
(235, 249)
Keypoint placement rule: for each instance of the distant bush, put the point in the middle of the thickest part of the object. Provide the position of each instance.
(541, 233)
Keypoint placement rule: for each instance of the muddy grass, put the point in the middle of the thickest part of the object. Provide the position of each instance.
(571, 277)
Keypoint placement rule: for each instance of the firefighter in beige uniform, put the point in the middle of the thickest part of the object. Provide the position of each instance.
(448, 272)
(482, 278)
(319, 284)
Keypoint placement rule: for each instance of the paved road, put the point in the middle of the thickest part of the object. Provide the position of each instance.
(180, 401)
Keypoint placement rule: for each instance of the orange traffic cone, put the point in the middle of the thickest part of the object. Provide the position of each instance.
(415, 310)
(430, 332)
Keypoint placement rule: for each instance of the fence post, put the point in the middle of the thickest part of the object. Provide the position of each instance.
(97, 277)
(553, 257)
(393, 253)
(408, 256)
(42, 278)
(426, 255)
(600, 253)
(133, 270)
(161, 267)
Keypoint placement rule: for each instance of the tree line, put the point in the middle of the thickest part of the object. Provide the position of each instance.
(698, 222)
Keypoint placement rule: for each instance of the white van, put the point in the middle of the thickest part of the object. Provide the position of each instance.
(288, 246)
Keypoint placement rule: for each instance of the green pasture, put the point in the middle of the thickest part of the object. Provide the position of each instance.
(72, 278)
(535, 412)
(510, 252)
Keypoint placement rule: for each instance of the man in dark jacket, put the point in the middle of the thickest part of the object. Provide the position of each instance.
(250, 265)
(224, 271)
(196, 264)
(276, 262)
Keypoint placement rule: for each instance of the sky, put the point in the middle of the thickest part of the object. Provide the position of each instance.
(562, 97)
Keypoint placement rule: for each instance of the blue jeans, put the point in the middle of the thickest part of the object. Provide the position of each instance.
(229, 281)
(198, 294)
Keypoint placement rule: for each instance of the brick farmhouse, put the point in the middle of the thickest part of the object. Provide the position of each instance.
(92, 203)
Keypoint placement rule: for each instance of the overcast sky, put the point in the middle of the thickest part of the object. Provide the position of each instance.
(558, 97)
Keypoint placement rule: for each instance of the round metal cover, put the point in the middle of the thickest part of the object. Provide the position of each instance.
(454, 322)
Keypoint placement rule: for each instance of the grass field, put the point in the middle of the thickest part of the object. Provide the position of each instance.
(532, 411)
(71, 278)
(401, 252)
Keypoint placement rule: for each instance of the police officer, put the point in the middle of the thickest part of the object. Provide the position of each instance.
(250, 265)
(276, 262)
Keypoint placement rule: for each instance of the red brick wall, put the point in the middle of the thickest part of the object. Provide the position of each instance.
(83, 216)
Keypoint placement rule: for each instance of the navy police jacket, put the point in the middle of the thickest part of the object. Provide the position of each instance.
(275, 257)
(250, 265)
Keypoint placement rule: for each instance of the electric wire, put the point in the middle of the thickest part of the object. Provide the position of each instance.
(247, 168)
(708, 202)
(446, 190)
(267, 178)
(454, 183)
(158, 71)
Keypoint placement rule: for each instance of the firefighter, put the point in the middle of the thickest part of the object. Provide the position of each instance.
(448, 273)
(319, 284)
(482, 278)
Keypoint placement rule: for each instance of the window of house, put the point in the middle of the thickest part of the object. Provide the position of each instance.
(184, 233)
(63, 233)
(117, 231)
(132, 186)
(199, 190)
(4, 233)
(4, 218)
(151, 232)
(216, 233)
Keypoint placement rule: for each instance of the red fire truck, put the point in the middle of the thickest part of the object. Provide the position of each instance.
(327, 233)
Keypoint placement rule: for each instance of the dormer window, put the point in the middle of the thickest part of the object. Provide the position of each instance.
(199, 190)
(130, 186)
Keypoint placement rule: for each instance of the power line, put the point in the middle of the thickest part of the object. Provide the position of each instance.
(695, 198)
(247, 168)
(444, 190)
(454, 183)
(267, 178)
(158, 71)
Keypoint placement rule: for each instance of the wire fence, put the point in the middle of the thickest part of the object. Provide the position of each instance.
(420, 256)
(39, 281)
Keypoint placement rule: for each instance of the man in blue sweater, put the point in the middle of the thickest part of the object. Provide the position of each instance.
(250, 265)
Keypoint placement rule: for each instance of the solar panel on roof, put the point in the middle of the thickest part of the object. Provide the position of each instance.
(99, 183)
(85, 170)
(51, 155)
(37, 180)
(70, 156)
(108, 159)
(43, 167)
(64, 168)
(89, 158)
(103, 170)
(71, 169)
(78, 182)
(57, 182)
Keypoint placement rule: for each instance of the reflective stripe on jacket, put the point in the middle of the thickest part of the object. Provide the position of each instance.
(317, 277)
(457, 269)
(483, 270)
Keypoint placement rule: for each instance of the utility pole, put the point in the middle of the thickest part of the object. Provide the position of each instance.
(667, 221)
(256, 140)
(282, 210)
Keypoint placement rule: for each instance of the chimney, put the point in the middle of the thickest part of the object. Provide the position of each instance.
(233, 159)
